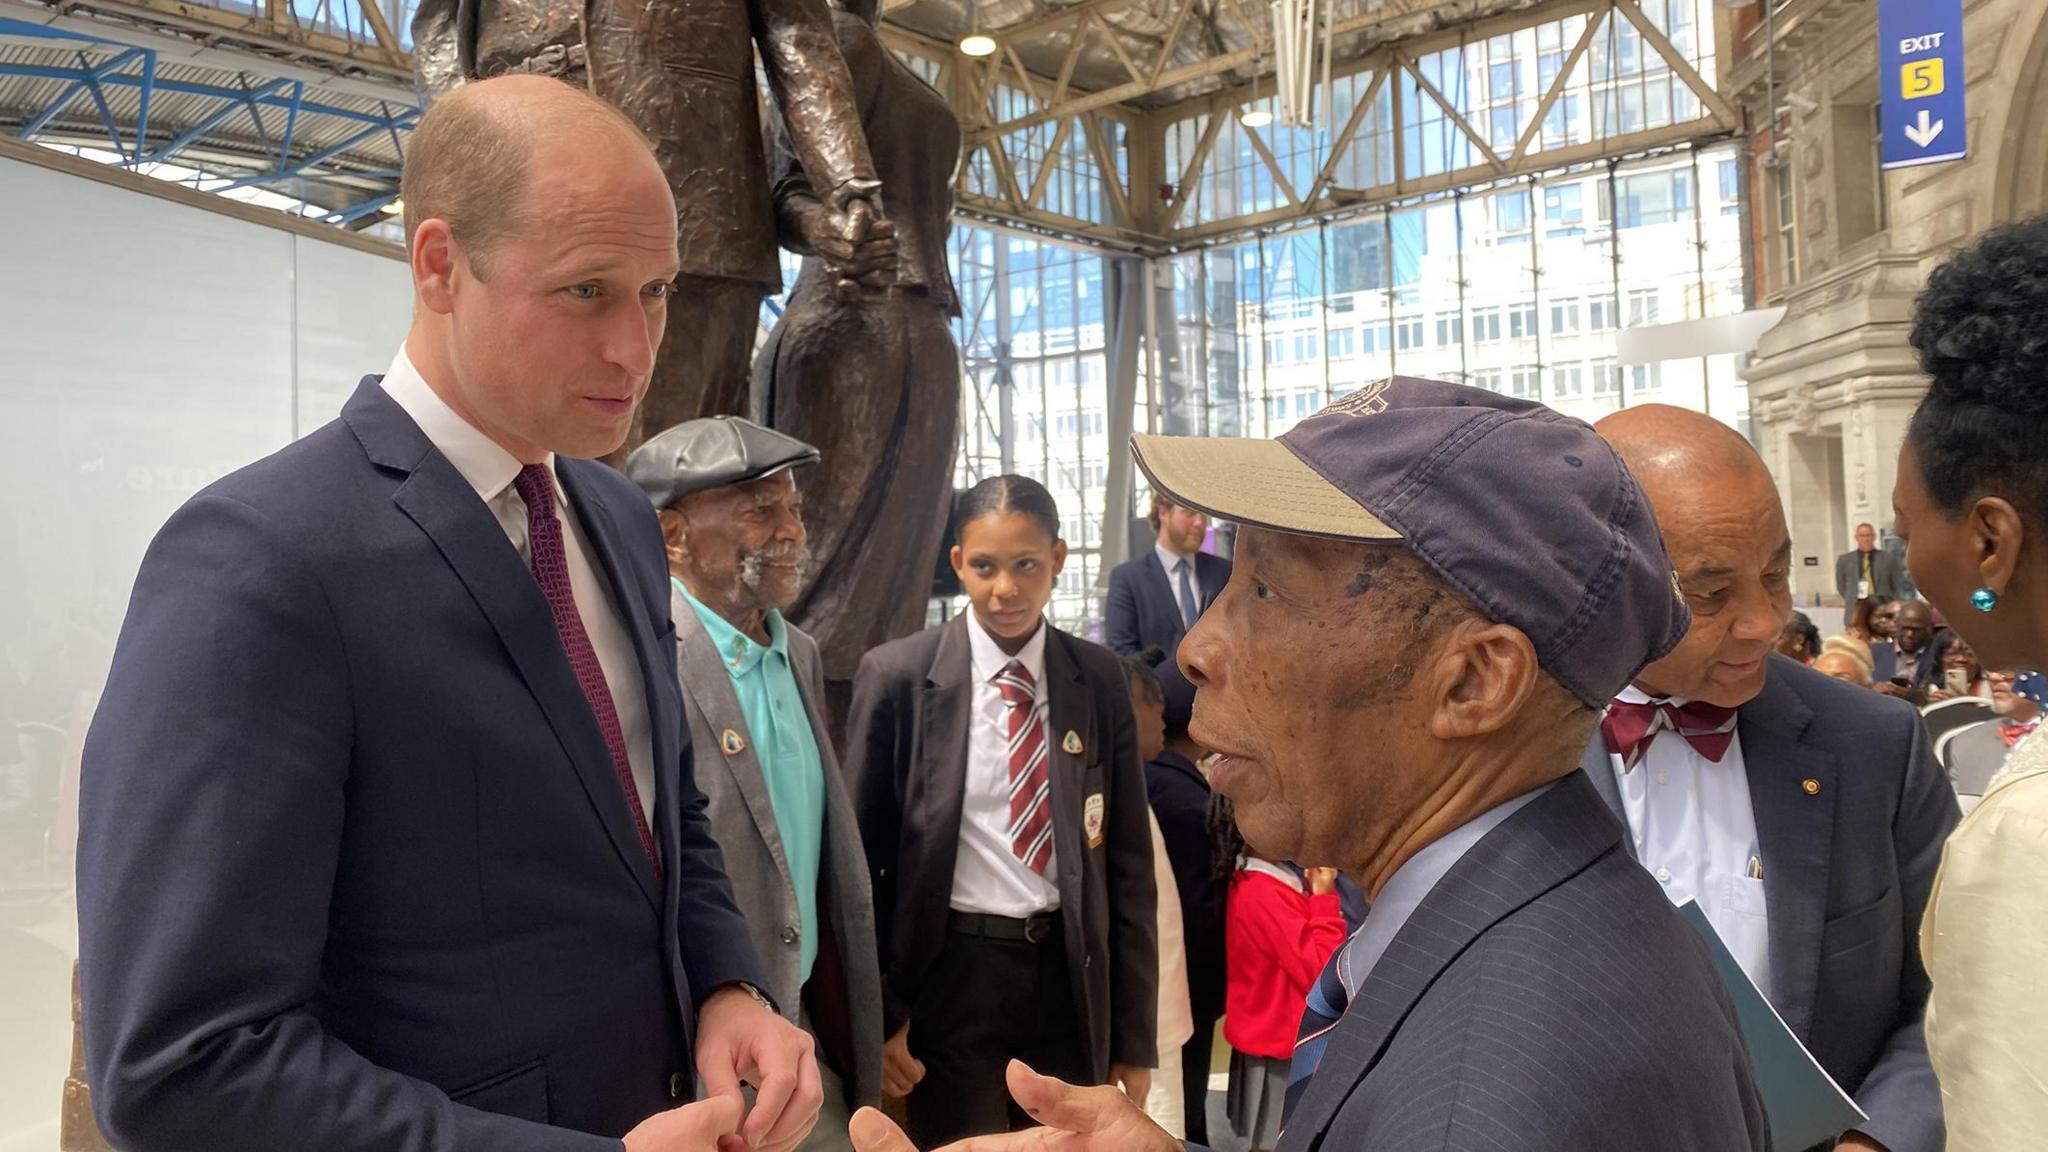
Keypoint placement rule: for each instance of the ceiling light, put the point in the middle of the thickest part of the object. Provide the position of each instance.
(395, 208)
(1255, 117)
(977, 45)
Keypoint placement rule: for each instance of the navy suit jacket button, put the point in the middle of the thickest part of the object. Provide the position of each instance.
(676, 1086)
(789, 934)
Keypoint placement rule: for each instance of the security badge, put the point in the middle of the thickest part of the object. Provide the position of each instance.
(1091, 819)
(732, 742)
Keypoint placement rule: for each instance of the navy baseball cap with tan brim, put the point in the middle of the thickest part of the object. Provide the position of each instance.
(1526, 511)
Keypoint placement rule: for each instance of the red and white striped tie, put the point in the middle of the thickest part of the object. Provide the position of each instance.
(1030, 782)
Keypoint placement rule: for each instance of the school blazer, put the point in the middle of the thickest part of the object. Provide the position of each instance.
(906, 762)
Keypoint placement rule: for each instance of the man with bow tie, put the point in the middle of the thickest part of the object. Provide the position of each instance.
(1806, 816)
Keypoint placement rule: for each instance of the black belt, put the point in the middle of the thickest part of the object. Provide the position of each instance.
(1032, 929)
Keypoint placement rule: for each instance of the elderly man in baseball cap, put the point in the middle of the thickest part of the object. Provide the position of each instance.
(1436, 590)
(754, 691)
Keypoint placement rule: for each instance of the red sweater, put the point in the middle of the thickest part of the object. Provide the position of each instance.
(1276, 940)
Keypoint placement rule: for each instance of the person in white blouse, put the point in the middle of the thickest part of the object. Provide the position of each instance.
(1805, 815)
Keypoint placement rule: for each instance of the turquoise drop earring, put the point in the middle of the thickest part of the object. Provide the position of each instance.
(1983, 599)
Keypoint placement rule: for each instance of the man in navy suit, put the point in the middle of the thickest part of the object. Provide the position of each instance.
(1806, 816)
(388, 838)
(1437, 589)
(1154, 599)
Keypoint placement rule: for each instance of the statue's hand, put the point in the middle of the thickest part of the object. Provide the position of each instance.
(857, 243)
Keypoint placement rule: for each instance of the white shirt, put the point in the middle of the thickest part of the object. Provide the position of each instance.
(987, 876)
(490, 470)
(1695, 832)
(1171, 560)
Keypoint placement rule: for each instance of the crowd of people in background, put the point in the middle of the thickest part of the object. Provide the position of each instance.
(453, 790)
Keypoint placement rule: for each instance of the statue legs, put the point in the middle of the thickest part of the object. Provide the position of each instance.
(702, 369)
(875, 384)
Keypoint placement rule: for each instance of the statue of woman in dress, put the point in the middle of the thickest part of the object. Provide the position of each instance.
(871, 375)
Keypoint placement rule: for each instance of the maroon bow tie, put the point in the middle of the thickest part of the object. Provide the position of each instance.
(1629, 727)
(2012, 734)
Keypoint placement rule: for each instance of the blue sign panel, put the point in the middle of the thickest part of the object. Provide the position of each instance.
(1920, 71)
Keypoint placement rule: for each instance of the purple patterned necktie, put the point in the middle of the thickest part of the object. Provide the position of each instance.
(536, 486)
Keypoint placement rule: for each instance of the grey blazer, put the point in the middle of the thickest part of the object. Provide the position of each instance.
(743, 822)
(1847, 870)
(1544, 997)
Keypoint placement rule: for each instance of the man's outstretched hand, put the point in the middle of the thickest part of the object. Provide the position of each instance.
(1075, 1120)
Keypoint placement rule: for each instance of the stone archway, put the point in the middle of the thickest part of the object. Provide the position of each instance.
(2022, 187)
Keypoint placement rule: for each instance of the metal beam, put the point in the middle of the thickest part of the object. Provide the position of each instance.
(1280, 179)
(1339, 200)
(1428, 89)
(1724, 113)
(254, 30)
(1193, 172)
(85, 76)
(313, 161)
(228, 107)
(1342, 143)
(1558, 84)
(1215, 65)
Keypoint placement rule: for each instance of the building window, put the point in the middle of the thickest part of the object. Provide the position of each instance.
(1606, 377)
(1511, 216)
(1645, 378)
(1522, 382)
(1600, 314)
(1276, 349)
(1642, 307)
(1564, 317)
(1487, 378)
(1564, 210)
(1343, 343)
(1522, 321)
(1567, 380)
(1485, 325)
(1786, 221)
(1372, 338)
(1304, 403)
(1731, 187)
(1408, 332)
(1450, 330)
(1304, 347)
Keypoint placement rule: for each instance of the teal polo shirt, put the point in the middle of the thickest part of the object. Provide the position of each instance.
(779, 728)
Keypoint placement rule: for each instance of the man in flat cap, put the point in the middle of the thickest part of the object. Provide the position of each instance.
(1436, 590)
(754, 691)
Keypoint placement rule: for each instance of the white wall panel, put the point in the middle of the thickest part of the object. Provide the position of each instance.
(146, 348)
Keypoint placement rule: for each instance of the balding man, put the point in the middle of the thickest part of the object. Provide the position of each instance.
(388, 838)
(1804, 814)
(1436, 589)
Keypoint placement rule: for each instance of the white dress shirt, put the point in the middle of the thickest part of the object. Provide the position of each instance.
(490, 470)
(987, 876)
(1695, 831)
(1171, 561)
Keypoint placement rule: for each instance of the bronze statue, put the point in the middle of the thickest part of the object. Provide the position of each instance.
(683, 70)
(871, 377)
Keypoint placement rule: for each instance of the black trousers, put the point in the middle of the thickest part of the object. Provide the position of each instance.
(984, 1003)
(1194, 1078)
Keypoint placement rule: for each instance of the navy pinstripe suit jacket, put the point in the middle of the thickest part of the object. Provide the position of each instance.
(1545, 997)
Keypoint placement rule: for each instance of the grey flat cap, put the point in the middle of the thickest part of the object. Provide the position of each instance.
(711, 453)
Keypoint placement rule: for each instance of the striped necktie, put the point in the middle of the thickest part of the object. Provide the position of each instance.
(1030, 783)
(1327, 999)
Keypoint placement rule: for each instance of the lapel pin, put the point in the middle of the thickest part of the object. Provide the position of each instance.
(732, 743)
(1810, 786)
(1072, 744)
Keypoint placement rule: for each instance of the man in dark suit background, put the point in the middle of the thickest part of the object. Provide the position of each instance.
(1154, 599)
(1805, 815)
(387, 834)
(1869, 571)
(1520, 983)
